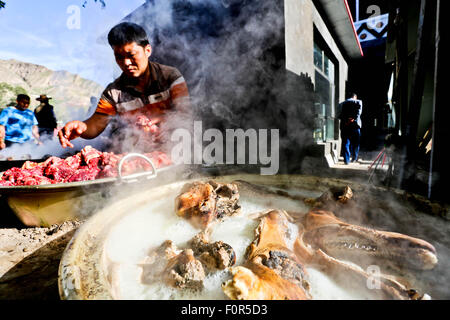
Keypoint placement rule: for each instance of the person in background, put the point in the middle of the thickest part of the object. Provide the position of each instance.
(350, 116)
(145, 95)
(45, 116)
(18, 125)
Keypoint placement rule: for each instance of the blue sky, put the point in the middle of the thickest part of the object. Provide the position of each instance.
(45, 32)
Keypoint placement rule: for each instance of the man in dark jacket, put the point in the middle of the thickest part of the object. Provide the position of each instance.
(350, 117)
(45, 116)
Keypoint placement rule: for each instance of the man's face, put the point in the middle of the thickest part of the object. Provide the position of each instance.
(132, 58)
(23, 104)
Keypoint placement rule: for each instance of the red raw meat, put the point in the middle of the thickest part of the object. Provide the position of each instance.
(89, 164)
(30, 165)
(91, 156)
(110, 159)
(74, 161)
(25, 177)
(59, 171)
(35, 181)
(160, 159)
(109, 163)
(146, 124)
(14, 174)
(108, 171)
(84, 174)
(51, 160)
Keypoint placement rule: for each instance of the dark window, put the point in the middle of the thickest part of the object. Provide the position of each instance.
(325, 96)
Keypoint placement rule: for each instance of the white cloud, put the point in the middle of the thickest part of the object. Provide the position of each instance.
(12, 35)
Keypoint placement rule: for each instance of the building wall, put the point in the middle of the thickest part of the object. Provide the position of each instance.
(301, 17)
(299, 36)
(343, 66)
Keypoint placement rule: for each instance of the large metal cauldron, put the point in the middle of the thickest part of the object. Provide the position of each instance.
(86, 270)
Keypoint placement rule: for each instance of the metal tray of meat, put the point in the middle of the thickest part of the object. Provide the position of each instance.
(90, 184)
(45, 205)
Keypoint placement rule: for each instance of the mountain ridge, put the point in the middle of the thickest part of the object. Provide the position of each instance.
(71, 94)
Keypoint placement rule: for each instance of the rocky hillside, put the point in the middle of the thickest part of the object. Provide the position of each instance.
(70, 93)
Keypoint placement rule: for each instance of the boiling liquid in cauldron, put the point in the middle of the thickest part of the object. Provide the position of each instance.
(130, 240)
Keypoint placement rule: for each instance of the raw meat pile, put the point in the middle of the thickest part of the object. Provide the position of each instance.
(146, 124)
(89, 164)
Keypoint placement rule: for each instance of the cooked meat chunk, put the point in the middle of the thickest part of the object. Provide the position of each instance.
(201, 203)
(346, 195)
(197, 204)
(184, 271)
(156, 261)
(287, 267)
(216, 255)
(227, 199)
(178, 268)
(329, 199)
(272, 270)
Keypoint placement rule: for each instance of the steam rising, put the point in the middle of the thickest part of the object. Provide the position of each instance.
(156, 221)
(51, 145)
(232, 55)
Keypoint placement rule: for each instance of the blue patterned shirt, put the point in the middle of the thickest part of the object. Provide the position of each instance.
(18, 124)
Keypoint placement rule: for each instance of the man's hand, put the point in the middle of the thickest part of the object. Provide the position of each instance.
(70, 131)
(150, 125)
(2, 144)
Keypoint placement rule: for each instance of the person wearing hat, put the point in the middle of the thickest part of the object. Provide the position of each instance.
(45, 116)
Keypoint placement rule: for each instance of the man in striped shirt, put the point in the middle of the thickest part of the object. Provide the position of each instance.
(143, 96)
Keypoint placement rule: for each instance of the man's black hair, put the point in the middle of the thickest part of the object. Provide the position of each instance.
(22, 96)
(352, 94)
(127, 32)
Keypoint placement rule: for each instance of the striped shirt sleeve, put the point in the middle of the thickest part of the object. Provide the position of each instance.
(106, 104)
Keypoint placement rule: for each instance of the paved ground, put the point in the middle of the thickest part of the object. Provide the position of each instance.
(29, 261)
(360, 170)
(359, 165)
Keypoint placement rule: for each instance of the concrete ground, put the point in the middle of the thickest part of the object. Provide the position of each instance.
(359, 170)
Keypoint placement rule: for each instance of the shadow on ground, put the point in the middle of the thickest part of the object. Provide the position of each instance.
(36, 276)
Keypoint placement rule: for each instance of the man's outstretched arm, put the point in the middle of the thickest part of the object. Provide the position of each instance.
(87, 129)
(96, 124)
